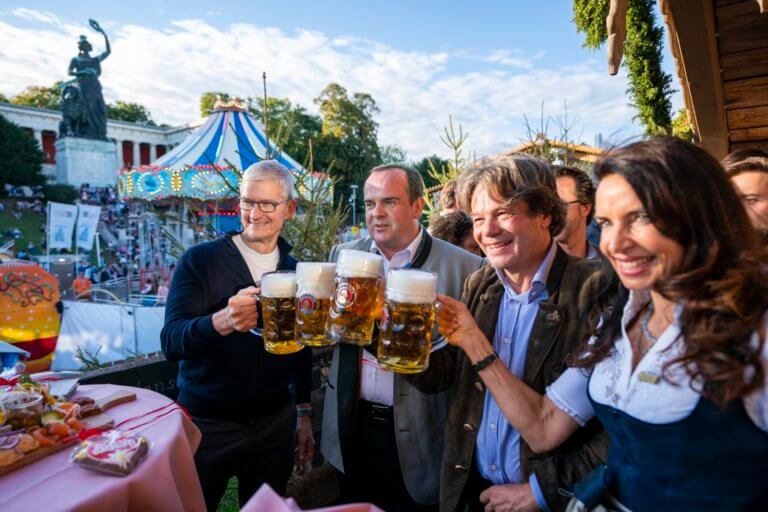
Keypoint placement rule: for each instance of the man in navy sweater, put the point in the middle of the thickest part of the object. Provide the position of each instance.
(239, 395)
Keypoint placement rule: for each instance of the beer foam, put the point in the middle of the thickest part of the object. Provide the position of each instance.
(353, 263)
(278, 284)
(315, 272)
(412, 286)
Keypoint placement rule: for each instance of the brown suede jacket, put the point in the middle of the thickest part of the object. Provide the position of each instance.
(559, 328)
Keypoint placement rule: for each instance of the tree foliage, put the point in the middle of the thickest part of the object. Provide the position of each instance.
(4, 98)
(129, 112)
(289, 125)
(425, 165)
(649, 86)
(681, 125)
(208, 100)
(21, 159)
(393, 154)
(348, 143)
(60, 193)
(40, 97)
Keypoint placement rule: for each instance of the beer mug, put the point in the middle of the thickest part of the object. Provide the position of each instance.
(355, 302)
(278, 307)
(315, 282)
(407, 319)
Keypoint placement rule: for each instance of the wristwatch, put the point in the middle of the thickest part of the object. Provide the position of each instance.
(485, 362)
(303, 411)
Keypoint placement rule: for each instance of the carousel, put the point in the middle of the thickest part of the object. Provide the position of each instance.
(200, 177)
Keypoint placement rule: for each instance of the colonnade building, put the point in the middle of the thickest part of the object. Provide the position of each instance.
(136, 144)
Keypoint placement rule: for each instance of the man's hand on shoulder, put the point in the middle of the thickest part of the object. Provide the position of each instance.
(240, 314)
(509, 498)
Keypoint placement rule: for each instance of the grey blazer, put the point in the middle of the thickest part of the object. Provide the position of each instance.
(420, 419)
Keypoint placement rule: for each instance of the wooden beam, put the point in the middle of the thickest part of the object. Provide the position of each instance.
(616, 24)
(693, 38)
(749, 134)
(750, 92)
(749, 64)
(763, 6)
(754, 117)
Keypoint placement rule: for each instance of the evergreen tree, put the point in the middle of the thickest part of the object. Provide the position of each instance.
(21, 159)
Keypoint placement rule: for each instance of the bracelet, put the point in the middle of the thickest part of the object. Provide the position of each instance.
(304, 411)
(485, 362)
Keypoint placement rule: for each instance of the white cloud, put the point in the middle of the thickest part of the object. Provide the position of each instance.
(167, 70)
(33, 15)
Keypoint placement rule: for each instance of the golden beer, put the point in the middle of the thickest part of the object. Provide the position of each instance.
(278, 306)
(313, 298)
(407, 320)
(355, 299)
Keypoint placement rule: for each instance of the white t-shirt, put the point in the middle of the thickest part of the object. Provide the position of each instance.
(257, 262)
(642, 393)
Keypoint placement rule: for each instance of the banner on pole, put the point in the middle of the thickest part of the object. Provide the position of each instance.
(87, 223)
(61, 223)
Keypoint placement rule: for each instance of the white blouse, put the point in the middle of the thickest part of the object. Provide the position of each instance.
(643, 393)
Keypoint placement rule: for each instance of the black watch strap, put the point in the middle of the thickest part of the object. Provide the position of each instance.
(485, 363)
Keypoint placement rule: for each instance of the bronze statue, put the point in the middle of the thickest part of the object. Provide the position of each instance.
(82, 103)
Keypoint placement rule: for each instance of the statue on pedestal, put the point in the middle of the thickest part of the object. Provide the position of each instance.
(84, 113)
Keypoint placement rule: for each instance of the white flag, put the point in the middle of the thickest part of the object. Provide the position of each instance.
(87, 223)
(61, 222)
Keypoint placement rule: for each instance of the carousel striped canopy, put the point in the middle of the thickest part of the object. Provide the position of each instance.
(203, 165)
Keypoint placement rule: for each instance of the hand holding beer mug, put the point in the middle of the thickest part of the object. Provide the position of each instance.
(278, 306)
(355, 303)
(315, 282)
(407, 319)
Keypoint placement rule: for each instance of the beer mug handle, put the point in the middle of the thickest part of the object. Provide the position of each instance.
(258, 331)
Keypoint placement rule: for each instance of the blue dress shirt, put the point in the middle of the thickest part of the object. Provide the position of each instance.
(498, 443)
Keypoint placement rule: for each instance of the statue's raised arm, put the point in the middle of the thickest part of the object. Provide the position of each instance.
(95, 26)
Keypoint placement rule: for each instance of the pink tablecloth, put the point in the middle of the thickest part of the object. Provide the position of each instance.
(165, 480)
(267, 500)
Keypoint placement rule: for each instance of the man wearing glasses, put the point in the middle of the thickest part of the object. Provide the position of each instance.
(237, 393)
(576, 190)
(748, 169)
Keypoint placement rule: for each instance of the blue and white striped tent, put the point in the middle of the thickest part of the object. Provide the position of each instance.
(201, 167)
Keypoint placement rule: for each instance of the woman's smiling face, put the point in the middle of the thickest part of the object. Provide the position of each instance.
(639, 253)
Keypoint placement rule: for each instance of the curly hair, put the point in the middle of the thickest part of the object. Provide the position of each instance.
(512, 178)
(722, 281)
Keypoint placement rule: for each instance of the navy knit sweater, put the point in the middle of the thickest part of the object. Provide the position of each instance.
(226, 377)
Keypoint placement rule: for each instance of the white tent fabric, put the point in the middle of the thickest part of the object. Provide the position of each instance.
(117, 332)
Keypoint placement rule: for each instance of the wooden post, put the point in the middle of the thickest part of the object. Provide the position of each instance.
(616, 23)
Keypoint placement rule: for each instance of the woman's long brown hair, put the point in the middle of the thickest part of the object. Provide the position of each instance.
(722, 281)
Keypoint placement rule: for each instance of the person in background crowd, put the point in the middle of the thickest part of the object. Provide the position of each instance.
(448, 202)
(529, 304)
(676, 369)
(577, 191)
(748, 169)
(456, 228)
(238, 394)
(82, 286)
(162, 292)
(385, 437)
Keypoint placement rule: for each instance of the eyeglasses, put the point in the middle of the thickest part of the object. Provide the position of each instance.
(264, 206)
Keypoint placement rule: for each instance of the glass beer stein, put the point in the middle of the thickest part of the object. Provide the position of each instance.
(355, 299)
(313, 298)
(278, 307)
(407, 319)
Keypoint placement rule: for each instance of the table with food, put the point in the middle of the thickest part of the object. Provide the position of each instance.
(99, 447)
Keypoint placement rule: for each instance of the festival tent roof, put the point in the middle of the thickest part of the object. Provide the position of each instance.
(198, 167)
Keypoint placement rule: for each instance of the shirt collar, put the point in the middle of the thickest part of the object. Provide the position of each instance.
(591, 252)
(538, 291)
(402, 258)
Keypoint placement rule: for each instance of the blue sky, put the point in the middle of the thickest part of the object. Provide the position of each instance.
(487, 63)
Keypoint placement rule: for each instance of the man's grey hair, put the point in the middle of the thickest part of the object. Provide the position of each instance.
(270, 170)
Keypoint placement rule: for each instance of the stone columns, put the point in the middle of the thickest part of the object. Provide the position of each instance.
(119, 147)
(136, 154)
(152, 152)
(39, 138)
